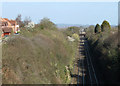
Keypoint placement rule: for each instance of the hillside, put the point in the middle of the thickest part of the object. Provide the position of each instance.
(38, 56)
(104, 48)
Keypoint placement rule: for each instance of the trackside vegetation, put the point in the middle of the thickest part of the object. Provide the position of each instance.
(97, 28)
(39, 55)
(104, 44)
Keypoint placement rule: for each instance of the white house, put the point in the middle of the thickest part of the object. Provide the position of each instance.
(30, 25)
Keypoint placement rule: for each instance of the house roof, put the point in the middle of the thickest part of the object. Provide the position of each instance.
(12, 22)
(6, 19)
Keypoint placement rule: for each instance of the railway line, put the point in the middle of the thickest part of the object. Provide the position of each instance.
(81, 62)
(86, 72)
(92, 74)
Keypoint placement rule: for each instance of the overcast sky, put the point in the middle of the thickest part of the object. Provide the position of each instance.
(64, 12)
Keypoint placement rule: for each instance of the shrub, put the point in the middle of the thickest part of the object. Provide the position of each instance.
(105, 50)
(97, 28)
(47, 24)
(75, 36)
(73, 29)
(105, 26)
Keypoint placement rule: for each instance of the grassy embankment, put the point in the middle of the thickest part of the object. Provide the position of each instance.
(38, 56)
(104, 45)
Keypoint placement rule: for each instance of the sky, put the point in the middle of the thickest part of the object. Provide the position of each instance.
(83, 13)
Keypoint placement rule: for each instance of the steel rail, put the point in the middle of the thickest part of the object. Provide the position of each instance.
(88, 65)
(92, 66)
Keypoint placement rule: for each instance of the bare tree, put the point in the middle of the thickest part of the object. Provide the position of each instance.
(19, 20)
(27, 20)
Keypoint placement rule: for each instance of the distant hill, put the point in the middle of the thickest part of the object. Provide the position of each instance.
(77, 25)
(69, 25)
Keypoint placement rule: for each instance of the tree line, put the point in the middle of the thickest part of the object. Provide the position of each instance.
(45, 23)
(103, 41)
(104, 27)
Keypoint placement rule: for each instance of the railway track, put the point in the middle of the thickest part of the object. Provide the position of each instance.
(92, 78)
(81, 62)
(86, 73)
(92, 75)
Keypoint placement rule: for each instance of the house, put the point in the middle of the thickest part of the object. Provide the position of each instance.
(30, 25)
(6, 31)
(14, 25)
(8, 26)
